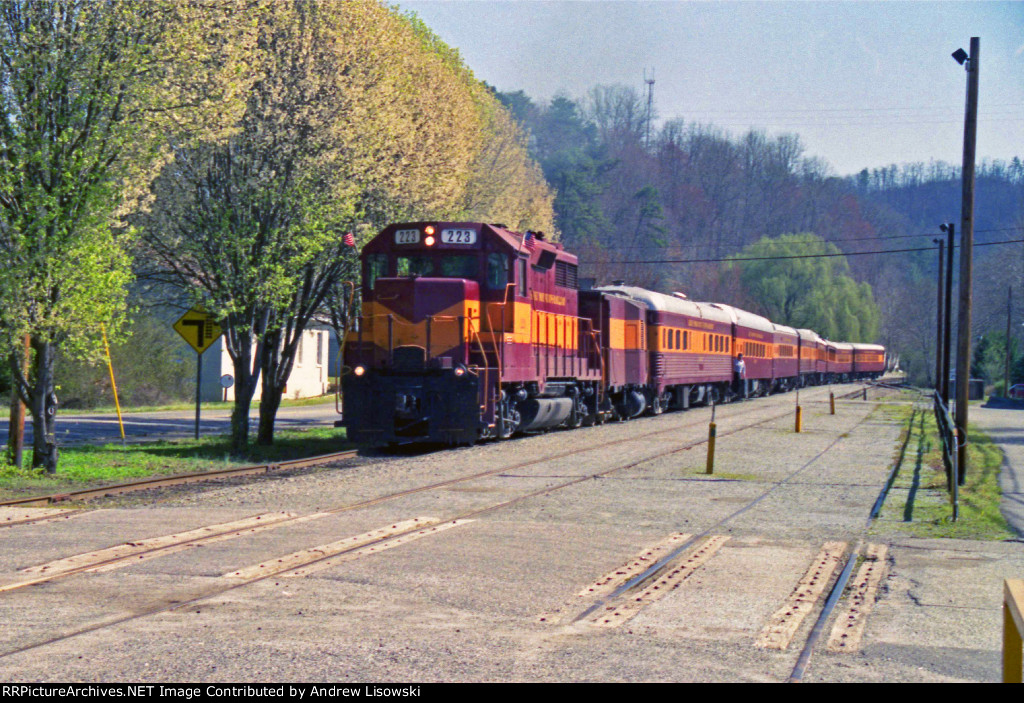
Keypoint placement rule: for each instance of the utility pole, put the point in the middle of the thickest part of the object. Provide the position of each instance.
(963, 362)
(650, 104)
(938, 320)
(950, 229)
(1006, 360)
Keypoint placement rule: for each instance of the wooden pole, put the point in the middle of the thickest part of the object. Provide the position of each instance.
(938, 321)
(947, 327)
(963, 361)
(1006, 354)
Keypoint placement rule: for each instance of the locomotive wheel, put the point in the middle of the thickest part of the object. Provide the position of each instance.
(509, 425)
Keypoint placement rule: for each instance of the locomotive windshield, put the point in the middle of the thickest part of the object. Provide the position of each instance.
(446, 266)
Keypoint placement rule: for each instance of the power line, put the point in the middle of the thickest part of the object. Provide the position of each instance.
(803, 256)
(936, 108)
(823, 241)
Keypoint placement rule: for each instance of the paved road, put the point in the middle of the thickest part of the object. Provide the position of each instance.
(1005, 426)
(87, 428)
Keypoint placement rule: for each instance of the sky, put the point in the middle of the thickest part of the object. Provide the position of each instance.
(864, 84)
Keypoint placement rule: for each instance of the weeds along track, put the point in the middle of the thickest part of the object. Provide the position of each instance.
(322, 556)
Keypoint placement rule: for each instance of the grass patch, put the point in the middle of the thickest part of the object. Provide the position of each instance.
(919, 504)
(84, 466)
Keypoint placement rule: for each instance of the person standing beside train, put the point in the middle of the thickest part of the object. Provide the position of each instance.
(739, 375)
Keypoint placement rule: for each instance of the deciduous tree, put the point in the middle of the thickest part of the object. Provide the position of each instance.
(87, 91)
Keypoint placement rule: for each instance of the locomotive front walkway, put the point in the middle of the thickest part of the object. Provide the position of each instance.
(1005, 427)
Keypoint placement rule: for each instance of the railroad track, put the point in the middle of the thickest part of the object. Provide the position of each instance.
(144, 484)
(176, 480)
(311, 559)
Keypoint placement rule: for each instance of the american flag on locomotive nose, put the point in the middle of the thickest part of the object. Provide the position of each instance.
(349, 240)
(529, 241)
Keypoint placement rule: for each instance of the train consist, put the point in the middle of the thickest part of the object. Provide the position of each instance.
(471, 331)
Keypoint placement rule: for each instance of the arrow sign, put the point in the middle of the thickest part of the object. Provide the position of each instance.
(198, 328)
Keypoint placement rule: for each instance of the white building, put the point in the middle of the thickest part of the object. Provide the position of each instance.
(309, 374)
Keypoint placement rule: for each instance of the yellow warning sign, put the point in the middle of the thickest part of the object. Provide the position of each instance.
(198, 328)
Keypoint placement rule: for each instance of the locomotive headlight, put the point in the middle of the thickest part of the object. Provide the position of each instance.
(429, 241)
(359, 370)
(428, 230)
(460, 370)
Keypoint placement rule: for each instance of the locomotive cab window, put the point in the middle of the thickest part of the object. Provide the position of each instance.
(521, 288)
(497, 271)
(462, 266)
(414, 266)
(376, 266)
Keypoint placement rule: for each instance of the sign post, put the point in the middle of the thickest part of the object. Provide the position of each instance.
(200, 330)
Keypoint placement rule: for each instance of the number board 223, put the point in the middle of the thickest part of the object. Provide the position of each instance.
(458, 236)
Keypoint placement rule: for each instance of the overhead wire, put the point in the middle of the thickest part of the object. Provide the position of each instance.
(806, 244)
(641, 247)
(730, 259)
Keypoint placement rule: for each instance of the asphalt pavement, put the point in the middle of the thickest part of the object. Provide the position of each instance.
(1004, 424)
(101, 428)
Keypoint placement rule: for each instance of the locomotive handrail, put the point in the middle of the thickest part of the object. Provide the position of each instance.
(600, 357)
(484, 387)
(350, 323)
(499, 354)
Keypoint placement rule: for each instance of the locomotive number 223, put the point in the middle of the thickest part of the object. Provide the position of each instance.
(458, 236)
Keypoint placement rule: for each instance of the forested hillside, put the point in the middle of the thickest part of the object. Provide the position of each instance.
(674, 206)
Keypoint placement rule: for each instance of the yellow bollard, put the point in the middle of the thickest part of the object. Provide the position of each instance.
(712, 428)
(799, 418)
(831, 403)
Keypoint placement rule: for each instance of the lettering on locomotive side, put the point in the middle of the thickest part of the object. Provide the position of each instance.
(547, 298)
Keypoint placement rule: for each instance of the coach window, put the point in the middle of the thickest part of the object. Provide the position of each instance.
(497, 271)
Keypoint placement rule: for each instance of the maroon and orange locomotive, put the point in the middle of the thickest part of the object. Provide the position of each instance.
(470, 331)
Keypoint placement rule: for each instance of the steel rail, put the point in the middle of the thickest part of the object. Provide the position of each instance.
(418, 489)
(177, 480)
(662, 563)
(401, 494)
(467, 514)
(200, 476)
(833, 598)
